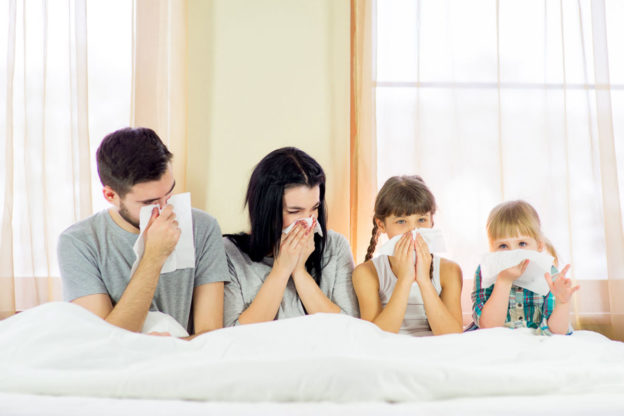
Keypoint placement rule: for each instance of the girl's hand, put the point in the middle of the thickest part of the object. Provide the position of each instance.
(511, 274)
(404, 257)
(291, 247)
(308, 246)
(423, 260)
(561, 288)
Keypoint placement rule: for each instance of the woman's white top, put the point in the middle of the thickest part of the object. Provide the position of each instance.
(415, 320)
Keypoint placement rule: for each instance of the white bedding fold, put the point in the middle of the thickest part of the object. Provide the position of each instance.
(61, 349)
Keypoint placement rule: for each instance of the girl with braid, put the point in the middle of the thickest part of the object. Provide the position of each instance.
(411, 292)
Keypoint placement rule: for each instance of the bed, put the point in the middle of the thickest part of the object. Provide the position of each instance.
(60, 359)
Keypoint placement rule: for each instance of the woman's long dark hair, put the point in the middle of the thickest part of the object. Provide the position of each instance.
(279, 170)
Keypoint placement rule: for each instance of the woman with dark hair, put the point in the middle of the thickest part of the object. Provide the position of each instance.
(287, 267)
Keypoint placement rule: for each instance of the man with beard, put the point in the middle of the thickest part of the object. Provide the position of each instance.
(96, 255)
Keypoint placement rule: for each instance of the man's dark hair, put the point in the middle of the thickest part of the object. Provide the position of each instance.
(130, 156)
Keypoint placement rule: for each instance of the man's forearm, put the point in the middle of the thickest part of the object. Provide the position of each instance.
(131, 310)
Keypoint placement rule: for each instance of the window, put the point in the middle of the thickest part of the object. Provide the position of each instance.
(491, 101)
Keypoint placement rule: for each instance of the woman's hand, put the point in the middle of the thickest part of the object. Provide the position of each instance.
(291, 248)
(511, 274)
(404, 257)
(561, 287)
(308, 246)
(423, 260)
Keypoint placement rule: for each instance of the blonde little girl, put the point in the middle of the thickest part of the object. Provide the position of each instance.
(393, 292)
(510, 226)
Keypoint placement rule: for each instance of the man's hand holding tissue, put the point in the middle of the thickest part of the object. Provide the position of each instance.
(161, 235)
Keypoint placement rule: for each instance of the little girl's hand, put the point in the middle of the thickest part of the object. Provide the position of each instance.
(511, 274)
(423, 260)
(404, 257)
(561, 288)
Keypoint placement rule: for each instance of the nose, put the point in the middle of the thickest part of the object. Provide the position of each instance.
(163, 201)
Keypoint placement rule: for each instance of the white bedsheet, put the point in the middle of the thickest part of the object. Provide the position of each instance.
(61, 349)
(14, 404)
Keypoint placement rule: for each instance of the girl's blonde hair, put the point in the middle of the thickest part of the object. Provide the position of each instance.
(515, 218)
(400, 196)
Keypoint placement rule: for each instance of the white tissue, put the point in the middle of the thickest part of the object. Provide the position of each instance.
(533, 277)
(308, 220)
(432, 236)
(183, 255)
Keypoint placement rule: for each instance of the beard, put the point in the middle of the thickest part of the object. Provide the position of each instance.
(125, 214)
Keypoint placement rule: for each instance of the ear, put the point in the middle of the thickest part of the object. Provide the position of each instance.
(110, 195)
(380, 225)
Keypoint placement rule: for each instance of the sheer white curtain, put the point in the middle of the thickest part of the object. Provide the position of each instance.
(73, 71)
(498, 100)
(65, 69)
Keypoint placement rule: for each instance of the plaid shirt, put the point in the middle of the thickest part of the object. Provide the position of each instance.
(526, 309)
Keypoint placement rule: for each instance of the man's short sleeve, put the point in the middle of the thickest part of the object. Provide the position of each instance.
(210, 262)
(80, 273)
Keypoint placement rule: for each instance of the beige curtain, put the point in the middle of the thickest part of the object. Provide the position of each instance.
(612, 211)
(159, 88)
(363, 174)
(45, 158)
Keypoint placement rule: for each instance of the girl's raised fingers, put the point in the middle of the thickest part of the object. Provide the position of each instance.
(563, 272)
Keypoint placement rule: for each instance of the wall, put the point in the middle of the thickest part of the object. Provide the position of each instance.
(265, 74)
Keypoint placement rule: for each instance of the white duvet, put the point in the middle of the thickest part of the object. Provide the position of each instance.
(61, 349)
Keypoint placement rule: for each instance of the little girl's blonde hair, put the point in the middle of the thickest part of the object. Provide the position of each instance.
(400, 196)
(513, 218)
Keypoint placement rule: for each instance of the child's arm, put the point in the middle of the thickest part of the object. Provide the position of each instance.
(444, 311)
(494, 311)
(366, 285)
(562, 290)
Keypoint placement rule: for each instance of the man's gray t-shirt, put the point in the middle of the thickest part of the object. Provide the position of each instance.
(247, 277)
(95, 256)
